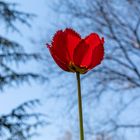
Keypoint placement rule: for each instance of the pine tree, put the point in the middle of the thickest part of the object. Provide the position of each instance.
(19, 124)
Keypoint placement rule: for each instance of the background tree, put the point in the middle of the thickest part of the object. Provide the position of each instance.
(113, 87)
(20, 123)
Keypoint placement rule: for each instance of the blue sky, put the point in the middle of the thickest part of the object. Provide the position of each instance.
(15, 96)
(55, 109)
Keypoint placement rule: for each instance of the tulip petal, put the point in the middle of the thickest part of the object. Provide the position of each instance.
(58, 47)
(72, 40)
(97, 49)
(89, 52)
(59, 62)
(64, 43)
(82, 54)
(97, 56)
(94, 40)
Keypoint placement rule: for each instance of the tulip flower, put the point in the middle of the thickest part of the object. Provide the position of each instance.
(78, 55)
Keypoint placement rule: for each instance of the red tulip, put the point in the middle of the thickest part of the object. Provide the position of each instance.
(74, 54)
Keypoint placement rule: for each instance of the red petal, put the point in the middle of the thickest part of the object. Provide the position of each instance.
(89, 51)
(94, 40)
(58, 47)
(97, 56)
(60, 63)
(64, 43)
(82, 54)
(72, 39)
(97, 49)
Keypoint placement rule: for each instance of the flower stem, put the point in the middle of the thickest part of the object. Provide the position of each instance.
(80, 107)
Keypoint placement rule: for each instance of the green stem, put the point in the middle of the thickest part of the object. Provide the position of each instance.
(80, 107)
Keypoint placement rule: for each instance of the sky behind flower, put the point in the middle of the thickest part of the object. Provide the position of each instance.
(17, 95)
(41, 26)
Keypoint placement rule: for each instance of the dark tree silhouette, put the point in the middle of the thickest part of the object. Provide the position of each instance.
(20, 124)
(119, 74)
(11, 51)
